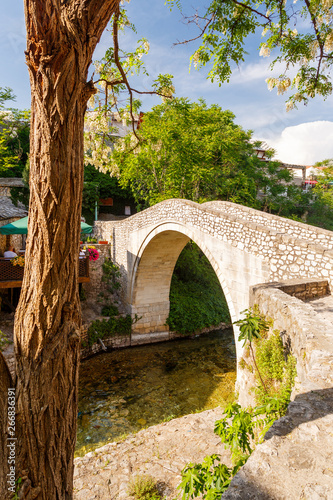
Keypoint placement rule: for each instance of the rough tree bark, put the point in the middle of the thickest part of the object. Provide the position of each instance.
(61, 37)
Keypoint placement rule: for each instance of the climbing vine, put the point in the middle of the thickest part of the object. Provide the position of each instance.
(111, 275)
(116, 324)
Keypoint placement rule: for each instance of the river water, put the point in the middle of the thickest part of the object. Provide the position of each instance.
(125, 390)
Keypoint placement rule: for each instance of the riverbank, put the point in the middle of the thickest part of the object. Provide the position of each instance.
(161, 451)
(115, 342)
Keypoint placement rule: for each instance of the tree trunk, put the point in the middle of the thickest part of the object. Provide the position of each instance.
(61, 38)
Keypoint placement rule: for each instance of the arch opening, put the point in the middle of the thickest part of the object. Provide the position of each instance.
(197, 300)
(152, 274)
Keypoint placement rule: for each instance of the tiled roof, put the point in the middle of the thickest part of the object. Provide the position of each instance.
(290, 165)
(9, 211)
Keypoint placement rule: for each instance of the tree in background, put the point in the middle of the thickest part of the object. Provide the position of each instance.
(196, 298)
(320, 211)
(299, 35)
(14, 137)
(189, 150)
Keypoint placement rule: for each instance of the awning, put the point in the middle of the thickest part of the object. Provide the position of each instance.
(21, 227)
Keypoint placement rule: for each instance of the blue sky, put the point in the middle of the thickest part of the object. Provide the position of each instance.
(301, 136)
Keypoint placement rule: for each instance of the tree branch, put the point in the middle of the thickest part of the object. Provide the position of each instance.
(119, 66)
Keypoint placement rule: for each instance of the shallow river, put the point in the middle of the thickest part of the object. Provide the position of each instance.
(125, 390)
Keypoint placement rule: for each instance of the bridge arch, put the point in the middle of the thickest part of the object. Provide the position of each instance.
(152, 273)
(244, 246)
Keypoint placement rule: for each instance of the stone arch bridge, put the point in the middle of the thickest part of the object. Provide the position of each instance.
(244, 246)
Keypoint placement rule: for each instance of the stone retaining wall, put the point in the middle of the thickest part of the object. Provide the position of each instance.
(305, 289)
(96, 286)
(118, 342)
(295, 460)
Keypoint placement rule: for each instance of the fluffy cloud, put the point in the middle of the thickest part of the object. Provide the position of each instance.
(304, 144)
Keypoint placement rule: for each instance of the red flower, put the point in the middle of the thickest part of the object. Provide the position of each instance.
(93, 254)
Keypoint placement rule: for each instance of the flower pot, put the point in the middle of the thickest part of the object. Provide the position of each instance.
(103, 242)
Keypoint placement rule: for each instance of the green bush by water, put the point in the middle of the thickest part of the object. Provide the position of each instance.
(196, 298)
(277, 368)
(112, 327)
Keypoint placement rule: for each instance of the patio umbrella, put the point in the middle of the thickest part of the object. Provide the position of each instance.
(21, 227)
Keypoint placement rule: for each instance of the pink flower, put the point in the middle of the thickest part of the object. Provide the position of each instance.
(93, 254)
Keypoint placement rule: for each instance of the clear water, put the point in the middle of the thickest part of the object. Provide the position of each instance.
(126, 390)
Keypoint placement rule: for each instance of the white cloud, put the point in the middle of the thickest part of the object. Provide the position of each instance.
(304, 144)
(250, 72)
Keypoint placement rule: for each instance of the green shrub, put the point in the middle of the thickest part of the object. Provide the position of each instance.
(111, 275)
(143, 488)
(111, 328)
(110, 310)
(277, 370)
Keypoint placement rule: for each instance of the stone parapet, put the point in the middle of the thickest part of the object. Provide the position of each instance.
(280, 224)
(294, 462)
(291, 248)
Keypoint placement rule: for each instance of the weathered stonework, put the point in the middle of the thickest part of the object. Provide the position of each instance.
(244, 247)
(295, 461)
(96, 285)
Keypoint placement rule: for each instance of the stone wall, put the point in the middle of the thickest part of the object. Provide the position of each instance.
(292, 249)
(282, 225)
(295, 460)
(304, 289)
(96, 285)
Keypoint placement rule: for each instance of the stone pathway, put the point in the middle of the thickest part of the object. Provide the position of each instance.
(160, 451)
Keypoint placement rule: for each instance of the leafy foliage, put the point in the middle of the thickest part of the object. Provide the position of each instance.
(224, 27)
(14, 137)
(277, 369)
(114, 326)
(196, 298)
(110, 310)
(193, 151)
(114, 71)
(320, 212)
(111, 275)
(210, 477)
(251, 326)
(241, 429)
(236, 436)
